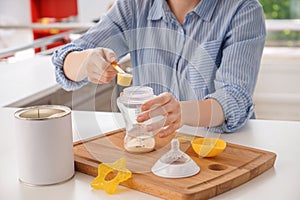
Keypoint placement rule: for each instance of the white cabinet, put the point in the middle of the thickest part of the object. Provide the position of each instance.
(89, 98)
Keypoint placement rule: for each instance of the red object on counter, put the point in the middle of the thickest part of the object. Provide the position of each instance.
(51, 11)
(58, 9)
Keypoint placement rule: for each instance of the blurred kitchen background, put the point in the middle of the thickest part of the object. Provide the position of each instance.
(30, 30)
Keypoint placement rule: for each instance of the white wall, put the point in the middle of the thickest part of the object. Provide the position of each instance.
(277, 94)
(89, 10)
(14, 12)
(18, 10)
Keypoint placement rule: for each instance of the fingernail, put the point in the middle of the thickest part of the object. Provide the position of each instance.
(162, 134)
(112, 59)
(143, 107)
(139, 118)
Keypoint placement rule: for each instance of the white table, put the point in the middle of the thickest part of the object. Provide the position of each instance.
(280, 182)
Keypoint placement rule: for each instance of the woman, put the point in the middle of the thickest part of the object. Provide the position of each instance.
(200, 57)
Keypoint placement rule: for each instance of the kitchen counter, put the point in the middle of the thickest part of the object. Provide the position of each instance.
(27, 79)
(32, 82)
(280, 182)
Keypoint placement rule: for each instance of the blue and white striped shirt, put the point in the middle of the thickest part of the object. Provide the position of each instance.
(215, 53)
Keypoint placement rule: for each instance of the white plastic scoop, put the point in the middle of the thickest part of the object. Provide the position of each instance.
(175, 164)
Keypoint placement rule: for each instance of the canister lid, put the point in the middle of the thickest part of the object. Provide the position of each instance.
(42, 112)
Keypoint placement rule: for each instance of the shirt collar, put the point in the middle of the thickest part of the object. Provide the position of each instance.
(205, 9)
(157, 10)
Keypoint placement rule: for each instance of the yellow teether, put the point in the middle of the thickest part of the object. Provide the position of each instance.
(104, 169)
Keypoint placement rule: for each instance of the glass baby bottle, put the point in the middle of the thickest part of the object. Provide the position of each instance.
(137, 139)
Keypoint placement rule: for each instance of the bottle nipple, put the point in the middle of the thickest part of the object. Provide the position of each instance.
(175, 164)
(175, 154)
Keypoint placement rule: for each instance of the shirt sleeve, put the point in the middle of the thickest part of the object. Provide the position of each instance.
(236, 77)
(110, 32)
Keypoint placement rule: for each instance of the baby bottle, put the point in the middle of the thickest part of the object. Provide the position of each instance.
(137, 139)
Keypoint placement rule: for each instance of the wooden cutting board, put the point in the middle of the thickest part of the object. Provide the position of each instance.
(233, 167)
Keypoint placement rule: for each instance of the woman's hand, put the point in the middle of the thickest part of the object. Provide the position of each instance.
(166, 105)
(95, 64)
(98, 65)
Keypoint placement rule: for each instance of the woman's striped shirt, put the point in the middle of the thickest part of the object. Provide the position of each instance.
(215, 53)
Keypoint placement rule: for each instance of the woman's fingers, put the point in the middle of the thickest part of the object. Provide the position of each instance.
(96, 75)
(163, 105)
(172, 118)
(109, 55)
(98, 66)
(160, 100)
(169, 129)
(154, 112)
(100, 78)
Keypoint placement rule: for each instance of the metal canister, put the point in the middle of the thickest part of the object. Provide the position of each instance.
(45, 144)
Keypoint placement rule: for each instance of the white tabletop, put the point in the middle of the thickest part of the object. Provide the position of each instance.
(26, 78)
(280, 182)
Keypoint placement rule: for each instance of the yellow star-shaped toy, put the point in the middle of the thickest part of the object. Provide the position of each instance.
(104, 169)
